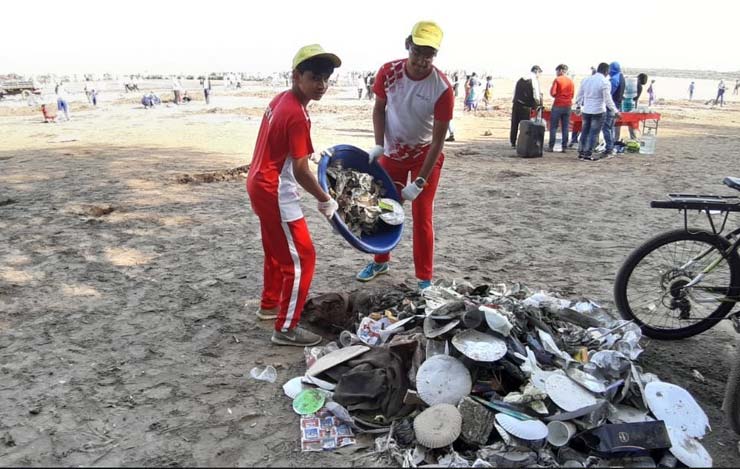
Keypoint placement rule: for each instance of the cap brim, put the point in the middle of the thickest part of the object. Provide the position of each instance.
(424, 43)
(334, 58)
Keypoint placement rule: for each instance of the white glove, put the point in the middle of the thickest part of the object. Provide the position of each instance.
(328, 208)
(413, 189)
(317, 158)
(374, 153)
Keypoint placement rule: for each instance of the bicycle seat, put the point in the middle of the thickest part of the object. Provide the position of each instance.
(732, 182)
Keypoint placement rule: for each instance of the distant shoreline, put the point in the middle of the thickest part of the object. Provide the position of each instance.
(678, 73)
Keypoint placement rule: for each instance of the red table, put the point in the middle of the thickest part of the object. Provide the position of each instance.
(629, 119)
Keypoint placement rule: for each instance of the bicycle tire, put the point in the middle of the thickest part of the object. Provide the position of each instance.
(637, 256)
(731, 403)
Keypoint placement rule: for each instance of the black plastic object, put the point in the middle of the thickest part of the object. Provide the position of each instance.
(531, 139)
(624, 439)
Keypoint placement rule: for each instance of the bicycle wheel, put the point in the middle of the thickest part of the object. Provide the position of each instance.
(731, 404)
(650, 285)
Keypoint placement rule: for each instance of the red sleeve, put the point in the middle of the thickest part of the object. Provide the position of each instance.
(444, 106)
(379, 85)
(299, 138)
(554, 88)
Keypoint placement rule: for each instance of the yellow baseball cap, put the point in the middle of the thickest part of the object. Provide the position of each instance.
(314, 50)
(427, 33)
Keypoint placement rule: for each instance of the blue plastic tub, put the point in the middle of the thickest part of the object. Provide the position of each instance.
(387, 236)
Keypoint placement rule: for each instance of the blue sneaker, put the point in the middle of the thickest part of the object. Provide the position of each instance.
(371, 271)
(424, 284)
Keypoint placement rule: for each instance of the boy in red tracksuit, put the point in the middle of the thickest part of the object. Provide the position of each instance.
(413, 109)
(279, 165)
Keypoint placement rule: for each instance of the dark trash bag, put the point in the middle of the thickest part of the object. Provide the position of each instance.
(375, 382)
(624, 439)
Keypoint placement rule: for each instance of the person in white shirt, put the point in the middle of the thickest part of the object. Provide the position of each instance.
(177, 89)
(207, 88)
(594, 98)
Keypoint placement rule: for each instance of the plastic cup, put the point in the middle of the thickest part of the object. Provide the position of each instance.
(559, 433)
(267, 373)
(346, 338)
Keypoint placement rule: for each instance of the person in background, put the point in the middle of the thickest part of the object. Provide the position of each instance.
(610, 130)
(737, 86)
(360, 84)
(48, 116)
(412, 112)
(651, 93)
(562, 90)
(177, 89)
(450, 133)
(146, 100)
(207, 88)
(62, 100)
(455, 83)
(575, 134)
(488, 91)
(720, 94)
(594, 98)
(692, 86)
(642, 79)
(527, 95)
(87, 93)
(471, 96)
(279, 165)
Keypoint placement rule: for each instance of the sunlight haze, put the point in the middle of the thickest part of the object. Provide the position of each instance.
(503, 38)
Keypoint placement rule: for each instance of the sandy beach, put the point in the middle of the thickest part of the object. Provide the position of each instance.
(127, 295)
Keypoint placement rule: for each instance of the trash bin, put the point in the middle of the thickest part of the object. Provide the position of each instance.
(386, 236)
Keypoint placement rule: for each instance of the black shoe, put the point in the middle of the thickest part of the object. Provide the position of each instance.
(549, 149)
(513, 145)
(451, 138)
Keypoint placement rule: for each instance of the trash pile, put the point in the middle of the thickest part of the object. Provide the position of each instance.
(360, 199)
(487, 376)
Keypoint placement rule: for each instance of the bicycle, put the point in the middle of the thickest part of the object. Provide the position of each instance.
(683, 282)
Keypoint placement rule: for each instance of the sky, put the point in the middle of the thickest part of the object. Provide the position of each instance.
(504, 38)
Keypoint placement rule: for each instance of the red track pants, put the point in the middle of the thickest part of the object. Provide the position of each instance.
(422, 211)
(290, 260)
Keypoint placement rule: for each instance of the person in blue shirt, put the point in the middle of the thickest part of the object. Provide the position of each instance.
(611, 134)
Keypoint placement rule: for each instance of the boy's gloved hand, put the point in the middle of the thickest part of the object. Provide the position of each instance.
(328, 208)
(317, 158)
(413, 189)
(374, 153)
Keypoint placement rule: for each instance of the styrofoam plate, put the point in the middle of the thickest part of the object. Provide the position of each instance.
(567, 394)
(479, 346)
(525, 429)
(688, 450)
(442, 379)
(335, 358)
(674, 405)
